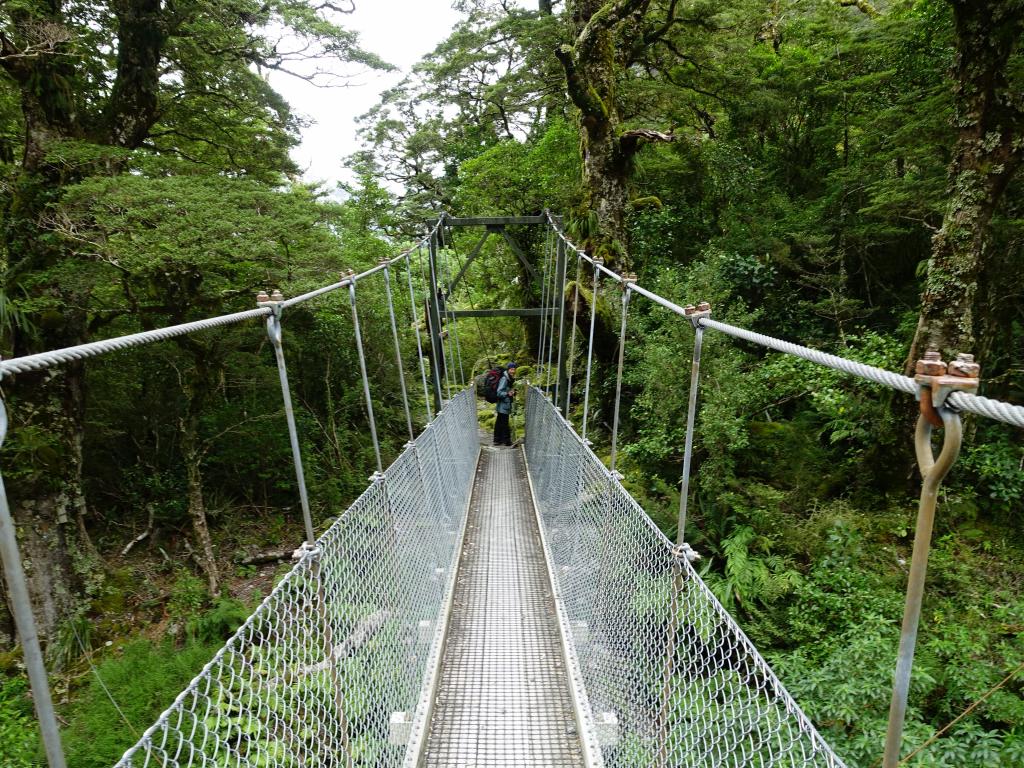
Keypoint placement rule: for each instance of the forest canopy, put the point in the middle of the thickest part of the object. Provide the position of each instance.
(841, 174)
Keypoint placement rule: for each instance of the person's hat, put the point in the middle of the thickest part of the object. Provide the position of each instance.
(510, 366)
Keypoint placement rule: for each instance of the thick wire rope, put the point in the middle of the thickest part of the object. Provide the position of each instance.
(41, 360)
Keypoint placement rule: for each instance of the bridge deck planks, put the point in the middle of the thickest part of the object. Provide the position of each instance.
(503, 697)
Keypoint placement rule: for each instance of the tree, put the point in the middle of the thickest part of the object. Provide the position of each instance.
(989, 120)
(97, 85)
(609, 37)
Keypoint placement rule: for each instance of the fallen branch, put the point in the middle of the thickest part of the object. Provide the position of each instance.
(142, 536)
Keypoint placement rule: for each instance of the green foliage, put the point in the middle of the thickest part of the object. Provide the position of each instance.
(19, 734)
(142, 677)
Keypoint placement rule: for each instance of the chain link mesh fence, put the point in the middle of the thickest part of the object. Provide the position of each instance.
(328, 670)
(664, 675)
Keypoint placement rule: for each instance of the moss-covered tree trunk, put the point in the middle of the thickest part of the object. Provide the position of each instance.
(990, 147)
(609, 36)
(592, 65)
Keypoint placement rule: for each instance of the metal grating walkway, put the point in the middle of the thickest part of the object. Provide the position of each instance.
(503, 699)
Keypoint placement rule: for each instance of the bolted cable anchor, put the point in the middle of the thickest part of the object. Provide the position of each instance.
(940, 379)
(274, 301)
(696, 313)
(306, 550)
(684, 551)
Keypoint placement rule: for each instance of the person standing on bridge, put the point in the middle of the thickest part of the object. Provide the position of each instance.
(506, 391)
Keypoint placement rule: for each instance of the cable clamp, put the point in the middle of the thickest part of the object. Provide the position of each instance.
(376, 477)
(306, 550)
(274, 301)
(614, 474)
(684, 551)
(696, 313)
(941, 380)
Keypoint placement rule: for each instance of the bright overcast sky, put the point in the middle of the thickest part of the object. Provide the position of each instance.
(400, 32)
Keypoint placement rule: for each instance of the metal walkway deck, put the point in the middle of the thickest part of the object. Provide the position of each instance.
(503, 698)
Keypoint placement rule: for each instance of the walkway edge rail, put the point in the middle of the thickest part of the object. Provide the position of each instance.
(270, 672)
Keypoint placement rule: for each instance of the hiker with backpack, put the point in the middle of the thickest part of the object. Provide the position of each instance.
(505, 391)
(497, 385)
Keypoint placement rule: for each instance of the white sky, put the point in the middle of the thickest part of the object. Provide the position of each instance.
(400, 32)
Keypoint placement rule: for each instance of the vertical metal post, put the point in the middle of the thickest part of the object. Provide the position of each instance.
(543, 304)
(276, 338)
(590, 346)
(680, 551)
(572, 336)
(695, 314)
(398, 348)
(627, 291)
(25, 621)
(362, 369)
(275, 334)
(560, 293)
(935, 382)
(436, 345)
(419, 343)
(550, 312)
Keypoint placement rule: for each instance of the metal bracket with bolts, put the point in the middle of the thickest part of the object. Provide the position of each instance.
(696, 313)
(940, 379)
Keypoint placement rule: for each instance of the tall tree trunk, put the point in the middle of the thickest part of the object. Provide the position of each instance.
(989, 149)
(192, 456)
(46, 408)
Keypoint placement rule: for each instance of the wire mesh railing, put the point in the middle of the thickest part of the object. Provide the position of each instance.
(664, 675)
(329, 669)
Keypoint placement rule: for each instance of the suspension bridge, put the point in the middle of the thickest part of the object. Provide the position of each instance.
(480, 606)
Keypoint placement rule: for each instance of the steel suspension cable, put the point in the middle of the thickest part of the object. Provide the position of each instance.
(366, 378)
(590, 346)
(983, 406)
(549, 312)
(427, 292)
(572, 336)
(398, 353)
(560, 279)
(543, 304)
(419, 343)
(626, 293)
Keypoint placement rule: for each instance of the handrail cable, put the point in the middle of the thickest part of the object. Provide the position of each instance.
(983, 406)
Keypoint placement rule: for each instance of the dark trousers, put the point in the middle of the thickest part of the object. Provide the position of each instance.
(502, 433)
